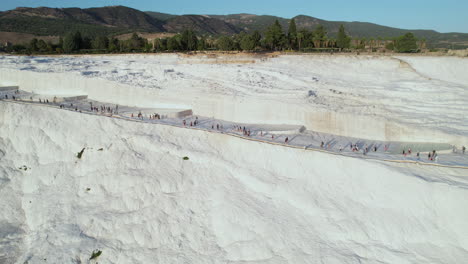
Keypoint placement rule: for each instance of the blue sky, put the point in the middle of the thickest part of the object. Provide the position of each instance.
(443, 16)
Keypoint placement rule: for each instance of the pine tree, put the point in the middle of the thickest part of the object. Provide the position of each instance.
(173, 43)
(202, 43)
(225, 43)
(72, 42)
(320, 35)
(406, 43)
(135, 43)
(304, 39)
(343, 41)
(100, 42)
(292, 34)
(274, 36)
(33, 44)
(247, 42)
(300, 38)
(41, 45)
(160, 44)
(60, 44)
(113, 45)
(256, 37)
(85, 43)
(188, 40)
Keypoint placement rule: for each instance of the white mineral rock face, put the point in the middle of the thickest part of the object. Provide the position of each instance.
(133, 196)
(404, 98)
(233, 201)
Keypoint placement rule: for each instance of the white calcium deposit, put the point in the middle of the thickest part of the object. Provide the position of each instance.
(233, 201)
(404, 98)
(133, 196)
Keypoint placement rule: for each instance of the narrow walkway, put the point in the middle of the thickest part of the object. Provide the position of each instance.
(283, 135)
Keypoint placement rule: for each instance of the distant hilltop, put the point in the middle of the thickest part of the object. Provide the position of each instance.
(116, 20)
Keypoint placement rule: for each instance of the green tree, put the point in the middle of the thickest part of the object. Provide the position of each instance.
(100, 42)
(60, 44)
(50, 47)
(72, 42)
(33, 45)
(320, 36)
(306, 39)
(292, 34)
(237, 39)
(135, 43)
(173, 43)
(225, 43)
(342, 41)
(274, 37)
(188, 40)
(148, 47)
(202, 43)
(42, 45)
(15, 48)
(300, 39)
(247, 42)
(85, 42)
(406, 43)
(256, 37)
(160, 44)
(390, 46)
(113, 45)
(362, 43)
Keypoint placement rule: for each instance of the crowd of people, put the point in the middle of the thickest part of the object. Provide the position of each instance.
(192, 123)
(218, 126)
(242, 129)
(17, 92)
(354, 147)
(103, 109)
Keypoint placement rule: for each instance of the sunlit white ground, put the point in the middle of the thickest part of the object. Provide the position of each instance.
(133, 196)
(425, 92)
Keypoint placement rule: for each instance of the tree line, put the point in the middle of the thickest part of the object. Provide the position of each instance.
(273, 39)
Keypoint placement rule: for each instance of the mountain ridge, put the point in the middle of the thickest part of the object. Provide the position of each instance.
(113, 20)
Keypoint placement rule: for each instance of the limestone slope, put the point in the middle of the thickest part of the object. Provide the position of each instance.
(133, 196)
